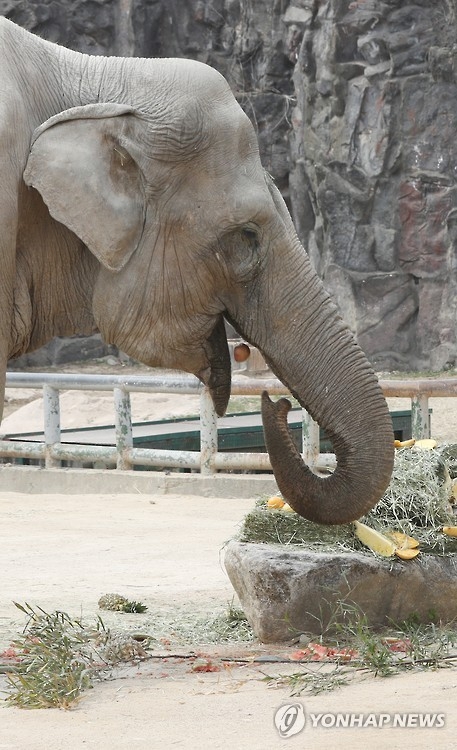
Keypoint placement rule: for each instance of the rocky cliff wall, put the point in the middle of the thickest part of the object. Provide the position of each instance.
(355, 105)
(374, 146)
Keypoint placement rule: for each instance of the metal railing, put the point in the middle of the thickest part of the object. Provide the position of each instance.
(123, 454)
(208, 460)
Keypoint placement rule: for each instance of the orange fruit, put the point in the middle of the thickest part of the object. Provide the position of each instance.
(241, 352)
(275, 502)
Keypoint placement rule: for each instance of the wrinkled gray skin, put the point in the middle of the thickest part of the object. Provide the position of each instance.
(133, 202)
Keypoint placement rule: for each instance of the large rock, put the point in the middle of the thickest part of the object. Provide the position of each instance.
(285, 592)
(60, 350)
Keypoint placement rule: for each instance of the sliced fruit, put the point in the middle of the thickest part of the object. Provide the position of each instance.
(425, 445)
(407, 553)
(401, 540)
(397, 644)
(375, 540)
(450, 530)
(275, 502)
(404, 443)
(287, 508)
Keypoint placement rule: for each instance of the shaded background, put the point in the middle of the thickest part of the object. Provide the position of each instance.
(355, 106)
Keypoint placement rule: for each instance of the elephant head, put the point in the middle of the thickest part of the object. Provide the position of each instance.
(159, 175)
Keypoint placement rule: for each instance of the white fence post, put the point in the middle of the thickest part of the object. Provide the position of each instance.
(123, 425)
(310, 439)
(51, 407)
(208, 432)
(420, 427)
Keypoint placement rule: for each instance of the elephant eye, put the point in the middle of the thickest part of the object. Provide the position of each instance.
(249, 234)
(122, 156)
(244, 252)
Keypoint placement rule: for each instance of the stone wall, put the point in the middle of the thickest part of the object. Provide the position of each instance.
(374, 145)
(355, 105)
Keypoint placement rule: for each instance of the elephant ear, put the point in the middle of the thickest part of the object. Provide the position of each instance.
(85, 174)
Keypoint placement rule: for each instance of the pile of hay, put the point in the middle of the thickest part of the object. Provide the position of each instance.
(417, 502)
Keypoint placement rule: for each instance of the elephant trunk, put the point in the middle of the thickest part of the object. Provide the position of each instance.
(312, 351)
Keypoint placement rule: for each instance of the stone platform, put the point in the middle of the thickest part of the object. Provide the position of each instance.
(285, 592)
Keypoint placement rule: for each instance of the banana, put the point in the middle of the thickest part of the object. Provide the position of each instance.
(286, 508)
(402, 540)
(425, 445)
(375, 540)
(407, 553)
(450, 530)
(404, 443)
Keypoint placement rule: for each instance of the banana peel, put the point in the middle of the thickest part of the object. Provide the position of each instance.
(387, 545)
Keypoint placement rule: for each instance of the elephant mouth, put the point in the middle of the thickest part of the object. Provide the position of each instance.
(217, 374)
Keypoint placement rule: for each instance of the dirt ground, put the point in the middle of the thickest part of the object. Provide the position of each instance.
(63, 552)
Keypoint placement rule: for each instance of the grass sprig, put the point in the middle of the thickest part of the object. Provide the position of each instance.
(56, 660)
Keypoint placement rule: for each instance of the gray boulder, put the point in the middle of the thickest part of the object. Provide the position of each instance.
(286, 592)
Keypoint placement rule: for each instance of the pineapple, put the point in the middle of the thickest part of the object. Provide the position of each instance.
(118, 603)
(113, 602)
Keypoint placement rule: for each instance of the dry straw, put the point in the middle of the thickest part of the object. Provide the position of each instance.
(417, 502)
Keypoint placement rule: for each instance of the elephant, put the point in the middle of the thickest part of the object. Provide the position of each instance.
(134, 203)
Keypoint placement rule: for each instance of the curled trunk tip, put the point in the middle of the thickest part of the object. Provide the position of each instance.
(361, 476)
